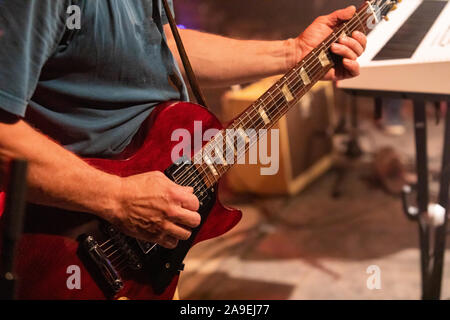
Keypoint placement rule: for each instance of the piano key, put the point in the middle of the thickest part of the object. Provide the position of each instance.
(405, 42)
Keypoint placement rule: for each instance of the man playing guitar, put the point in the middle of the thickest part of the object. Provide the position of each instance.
(72, 93)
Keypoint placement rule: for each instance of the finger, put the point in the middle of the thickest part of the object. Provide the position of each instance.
(177, 232)
(351, 66)
(184, 217)
(187, 200)
(343, 51)
(168, 242)
(352, 44)
(342, 14)
(361, 38)
(187, 189)
(331, 75)
(180, 188)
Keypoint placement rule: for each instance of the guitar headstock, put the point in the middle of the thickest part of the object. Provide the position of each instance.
(383, 7)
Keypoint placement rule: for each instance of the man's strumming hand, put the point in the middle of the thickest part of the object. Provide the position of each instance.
(151, 207)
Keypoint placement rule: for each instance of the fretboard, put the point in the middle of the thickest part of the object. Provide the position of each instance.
(277, 101)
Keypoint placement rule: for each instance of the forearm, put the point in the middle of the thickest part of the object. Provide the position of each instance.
(57, 177)
(219, 61)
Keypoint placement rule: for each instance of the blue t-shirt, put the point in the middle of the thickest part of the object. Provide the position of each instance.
(89, 89)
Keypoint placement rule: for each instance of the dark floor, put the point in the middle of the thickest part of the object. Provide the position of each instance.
(314, 246)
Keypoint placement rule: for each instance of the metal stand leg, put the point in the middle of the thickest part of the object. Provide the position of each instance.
(440, 232)
(432, 221)
(353, 148)
(420, 130)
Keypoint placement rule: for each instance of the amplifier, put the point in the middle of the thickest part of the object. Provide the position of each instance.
(306, 145)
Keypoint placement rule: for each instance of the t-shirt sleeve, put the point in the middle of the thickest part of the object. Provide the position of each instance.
(164, 19)
(30, 31)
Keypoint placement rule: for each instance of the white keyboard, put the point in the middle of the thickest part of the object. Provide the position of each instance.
(408, 53)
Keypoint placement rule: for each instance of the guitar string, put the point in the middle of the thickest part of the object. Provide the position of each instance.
(107, 241)
(115, 259)
(110, 254)
(279, 96)
(111, 246)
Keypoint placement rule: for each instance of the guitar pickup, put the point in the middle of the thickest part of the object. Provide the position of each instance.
(108, 271)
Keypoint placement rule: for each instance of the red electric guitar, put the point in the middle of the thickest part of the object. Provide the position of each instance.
(113, 265)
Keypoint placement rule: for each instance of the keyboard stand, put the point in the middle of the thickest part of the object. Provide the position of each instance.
(432, 223)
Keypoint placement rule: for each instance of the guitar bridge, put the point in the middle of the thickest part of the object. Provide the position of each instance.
(106, 268)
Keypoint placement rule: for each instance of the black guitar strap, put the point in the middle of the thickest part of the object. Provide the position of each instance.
(184, 58)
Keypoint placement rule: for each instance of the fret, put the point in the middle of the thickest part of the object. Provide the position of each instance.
(210, 164)
(217, 148)
(373, 12)
(279, 101)
(264, 115)
(232, 145)
(262, 123)
(221, 169)
(271, 97)
(271, 108)
(198, 158)
(278, 94)
(229, 144)
(205, 174)
(258, 121)
(360, 23)
(346, 30)
(243, 135)
(295, 85)
(246, 119)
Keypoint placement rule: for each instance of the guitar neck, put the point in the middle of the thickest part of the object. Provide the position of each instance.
(288, 90)
(276, 102)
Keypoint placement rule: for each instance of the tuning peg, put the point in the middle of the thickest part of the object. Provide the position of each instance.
(386, 18)
(394, 7)
(399, 1)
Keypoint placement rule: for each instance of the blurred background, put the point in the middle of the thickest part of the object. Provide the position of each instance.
(313, 230)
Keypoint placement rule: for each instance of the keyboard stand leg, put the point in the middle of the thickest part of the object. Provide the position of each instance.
(441, 231)
(420, 130)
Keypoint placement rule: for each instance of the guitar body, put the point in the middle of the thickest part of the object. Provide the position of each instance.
(50, 244)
